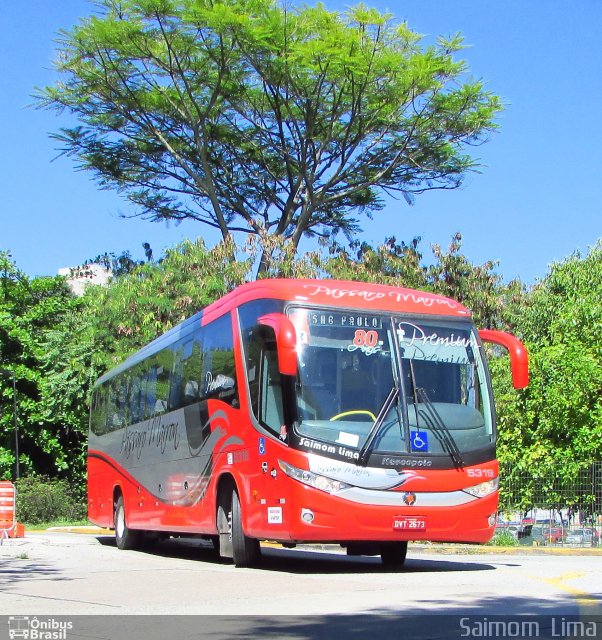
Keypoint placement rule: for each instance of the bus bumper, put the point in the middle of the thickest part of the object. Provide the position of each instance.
(329, 518)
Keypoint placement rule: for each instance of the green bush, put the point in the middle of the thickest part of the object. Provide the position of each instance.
(503, 539)
(41, 499)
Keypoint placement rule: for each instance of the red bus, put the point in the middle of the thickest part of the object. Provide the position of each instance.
(301, 411)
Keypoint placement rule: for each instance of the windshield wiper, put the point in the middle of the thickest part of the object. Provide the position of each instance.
(438, 427)
(366, 449)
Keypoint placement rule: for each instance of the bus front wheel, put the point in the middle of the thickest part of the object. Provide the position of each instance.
(245, 550)
(125, 537)
(393, 553)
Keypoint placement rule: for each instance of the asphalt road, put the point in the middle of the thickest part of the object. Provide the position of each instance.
(61, 574)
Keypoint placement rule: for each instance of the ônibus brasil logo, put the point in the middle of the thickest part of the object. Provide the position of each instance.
(34, 628)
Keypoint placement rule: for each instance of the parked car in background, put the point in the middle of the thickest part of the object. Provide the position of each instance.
(545, 535)
(584, 537)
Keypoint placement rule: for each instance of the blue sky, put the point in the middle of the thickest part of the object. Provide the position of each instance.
(536, 201)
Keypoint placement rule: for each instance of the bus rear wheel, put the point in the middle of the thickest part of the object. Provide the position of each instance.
(393, 553)
(125, 537)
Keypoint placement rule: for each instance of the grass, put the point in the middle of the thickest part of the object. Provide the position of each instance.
(38, 526)
(503, 539)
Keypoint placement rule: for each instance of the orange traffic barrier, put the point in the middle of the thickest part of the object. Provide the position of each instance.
(9, 527)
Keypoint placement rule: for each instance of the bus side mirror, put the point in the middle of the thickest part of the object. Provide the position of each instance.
(519, 359)
(286, 341)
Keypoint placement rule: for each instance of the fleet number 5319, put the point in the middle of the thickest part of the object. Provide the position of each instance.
(480, 473)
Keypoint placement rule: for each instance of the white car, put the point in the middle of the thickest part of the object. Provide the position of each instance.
(583, 537)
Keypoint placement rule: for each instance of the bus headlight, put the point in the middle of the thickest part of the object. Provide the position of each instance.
(483, 489)
(328, 485)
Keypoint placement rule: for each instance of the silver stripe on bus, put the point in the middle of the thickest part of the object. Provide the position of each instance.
(396, 498)
(364, 477)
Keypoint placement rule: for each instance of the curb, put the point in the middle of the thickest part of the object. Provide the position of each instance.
(511, 551)
(83, 529)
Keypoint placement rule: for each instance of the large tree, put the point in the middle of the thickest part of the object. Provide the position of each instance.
(254, 117)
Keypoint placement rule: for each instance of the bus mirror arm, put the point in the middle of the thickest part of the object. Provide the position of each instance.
(286, 341)
(519, 359)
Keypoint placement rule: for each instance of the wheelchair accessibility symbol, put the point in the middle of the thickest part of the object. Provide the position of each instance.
(419, 441)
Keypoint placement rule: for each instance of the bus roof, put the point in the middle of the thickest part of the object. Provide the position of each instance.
(339, 293)
(332, 293)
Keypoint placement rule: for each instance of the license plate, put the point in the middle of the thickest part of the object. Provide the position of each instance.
(409, 523)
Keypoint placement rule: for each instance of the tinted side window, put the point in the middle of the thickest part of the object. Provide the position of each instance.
(98, 417)
(151, 391)
(187, 373)
(122, 398)
(137, 396)
(114, 413)
(163, 364)
(218, 371)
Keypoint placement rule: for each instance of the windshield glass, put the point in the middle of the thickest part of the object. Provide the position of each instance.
(388, 385)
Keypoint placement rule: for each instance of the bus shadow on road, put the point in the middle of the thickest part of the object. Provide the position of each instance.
(312, 562)
(181, 548)
(306, 560)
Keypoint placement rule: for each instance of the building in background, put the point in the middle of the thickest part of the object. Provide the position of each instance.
(78, 278)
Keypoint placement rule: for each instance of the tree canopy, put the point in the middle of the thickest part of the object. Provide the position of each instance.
(448, 273)
(29, 308)
(259, 118)
(556, 423)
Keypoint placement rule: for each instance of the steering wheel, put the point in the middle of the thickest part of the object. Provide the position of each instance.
(354, 413)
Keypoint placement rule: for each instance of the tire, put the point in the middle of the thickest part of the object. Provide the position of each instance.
(393, 553)
(125, 537)
(245, 551)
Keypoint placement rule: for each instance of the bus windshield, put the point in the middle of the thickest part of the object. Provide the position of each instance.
(391, 385)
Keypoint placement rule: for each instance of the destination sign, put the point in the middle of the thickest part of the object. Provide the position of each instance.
(353, 320)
